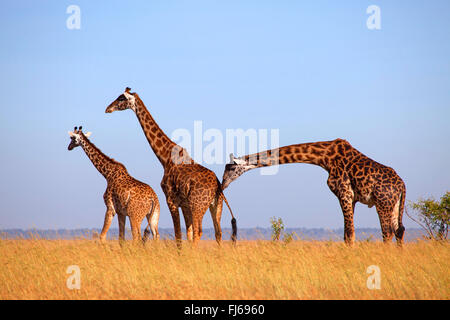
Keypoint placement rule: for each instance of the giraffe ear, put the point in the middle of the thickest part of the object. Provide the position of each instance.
(87, 135)
(231, 158)
(70, 133)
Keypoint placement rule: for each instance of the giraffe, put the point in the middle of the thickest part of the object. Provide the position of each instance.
(353, 177)
(186, 184)
(124, 195)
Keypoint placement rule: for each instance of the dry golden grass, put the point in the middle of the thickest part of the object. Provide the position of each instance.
(36, 269)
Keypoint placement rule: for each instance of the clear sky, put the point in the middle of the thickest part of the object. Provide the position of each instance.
(311, 69)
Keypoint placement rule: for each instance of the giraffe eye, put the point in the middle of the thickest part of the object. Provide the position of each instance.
(121, 98)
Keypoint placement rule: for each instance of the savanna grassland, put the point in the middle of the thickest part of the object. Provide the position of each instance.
(36, 269)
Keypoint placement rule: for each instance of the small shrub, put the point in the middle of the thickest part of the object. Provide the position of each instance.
(433, 216)
(288, 237)
(277, 226)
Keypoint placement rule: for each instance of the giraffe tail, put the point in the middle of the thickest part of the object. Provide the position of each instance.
(399, 233)
(233, 219)
(147, 230)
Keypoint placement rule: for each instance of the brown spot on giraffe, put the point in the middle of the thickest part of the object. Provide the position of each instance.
(124, 195)
(186, 184)
(353, 177)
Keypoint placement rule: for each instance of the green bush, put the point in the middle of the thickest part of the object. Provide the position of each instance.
(277, 227)
(433, 216)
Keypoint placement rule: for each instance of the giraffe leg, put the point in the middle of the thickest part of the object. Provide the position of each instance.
(340, 186)
(197, 226)
(197, 217)
(216, 214)
(106, 224)
(347, 207)
(122, 220)
(110, 212)
(173, 208)
(135, 229)
(387, 227)
(349, 229)
(187, 214)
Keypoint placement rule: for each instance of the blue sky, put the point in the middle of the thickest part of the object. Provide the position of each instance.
(313, 70)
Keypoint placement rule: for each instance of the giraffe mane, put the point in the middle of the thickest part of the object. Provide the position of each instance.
(100, 151)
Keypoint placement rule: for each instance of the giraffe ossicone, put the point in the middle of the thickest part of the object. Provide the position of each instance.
(237, 160)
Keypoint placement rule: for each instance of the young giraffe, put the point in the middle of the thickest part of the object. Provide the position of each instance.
(124, 195)
(352, 177)
(186, 184)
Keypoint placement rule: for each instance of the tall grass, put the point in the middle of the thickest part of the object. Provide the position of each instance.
(36, 269)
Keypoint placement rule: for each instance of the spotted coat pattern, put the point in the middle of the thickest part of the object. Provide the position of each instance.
(353, 177)
(186, 184)
(124, 195)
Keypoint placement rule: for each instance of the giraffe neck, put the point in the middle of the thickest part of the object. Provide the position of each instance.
(312, 153)
(326, 154)
(105, 165)
(167, 151)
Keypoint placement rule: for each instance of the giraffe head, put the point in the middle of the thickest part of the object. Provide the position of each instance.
(126, 100)
(234, 170)
(75, 137)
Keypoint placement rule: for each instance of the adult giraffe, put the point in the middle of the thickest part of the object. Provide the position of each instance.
(186, 184)
(352, 177)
